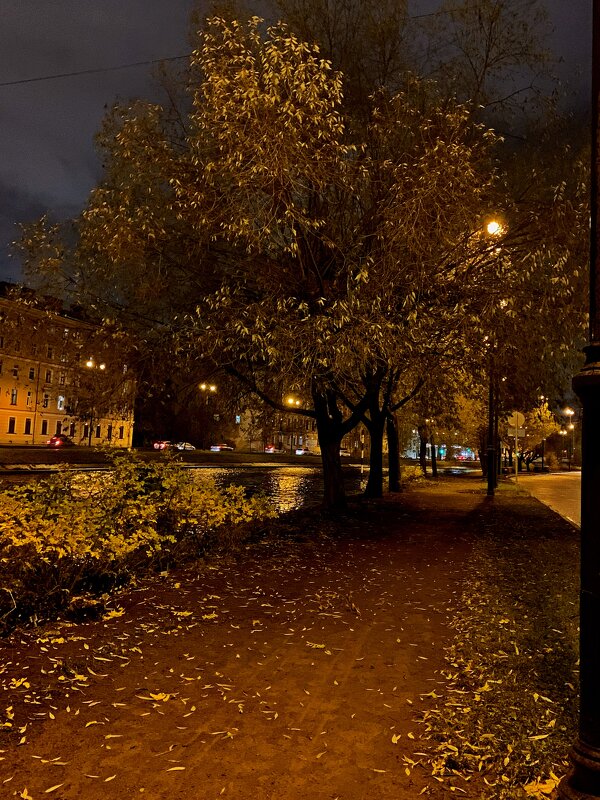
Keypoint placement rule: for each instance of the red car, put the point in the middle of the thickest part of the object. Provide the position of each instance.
(59, 440)
(162, 445)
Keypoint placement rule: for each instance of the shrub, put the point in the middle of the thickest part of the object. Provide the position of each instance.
(73, 532)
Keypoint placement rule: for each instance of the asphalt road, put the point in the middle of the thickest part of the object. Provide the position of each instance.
(560, 491)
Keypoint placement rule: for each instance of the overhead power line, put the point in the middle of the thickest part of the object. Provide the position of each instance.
(93, 71)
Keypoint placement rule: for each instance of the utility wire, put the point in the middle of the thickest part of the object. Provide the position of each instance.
(93, 71)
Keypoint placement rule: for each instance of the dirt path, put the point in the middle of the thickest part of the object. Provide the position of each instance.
(290, 671)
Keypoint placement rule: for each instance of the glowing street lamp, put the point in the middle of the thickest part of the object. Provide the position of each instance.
(493, 228)
(207, 389)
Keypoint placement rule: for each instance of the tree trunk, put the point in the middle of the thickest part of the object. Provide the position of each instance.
(393, 454)
(330, 433)
(434, 470)
(423, 452)
(334, 494)
(374, 487)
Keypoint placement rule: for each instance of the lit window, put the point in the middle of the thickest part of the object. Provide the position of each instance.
(29, 399)
(13, 397)
(46, 400)
(60, 403)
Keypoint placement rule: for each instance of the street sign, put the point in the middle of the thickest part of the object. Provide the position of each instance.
(520, 432)
(517, 420)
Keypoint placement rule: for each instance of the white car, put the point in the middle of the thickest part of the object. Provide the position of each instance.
(184, 446)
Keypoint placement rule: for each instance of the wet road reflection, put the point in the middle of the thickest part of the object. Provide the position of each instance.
(289, 487)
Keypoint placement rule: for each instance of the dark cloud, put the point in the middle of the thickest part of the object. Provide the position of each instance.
(47, 129)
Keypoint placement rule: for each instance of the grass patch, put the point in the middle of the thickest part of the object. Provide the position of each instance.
(507, 714)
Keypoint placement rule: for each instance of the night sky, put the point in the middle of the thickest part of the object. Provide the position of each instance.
(48, 161)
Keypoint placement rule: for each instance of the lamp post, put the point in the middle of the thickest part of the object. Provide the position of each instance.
(569, 413)
(91, 364)
(207, 390)
(492, 228)
(583, 781)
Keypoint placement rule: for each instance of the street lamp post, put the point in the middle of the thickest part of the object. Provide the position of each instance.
(207, 390)
(91, 364)
(583, 781)
(571, 427)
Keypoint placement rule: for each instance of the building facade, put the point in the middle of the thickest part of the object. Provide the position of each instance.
(59, 376)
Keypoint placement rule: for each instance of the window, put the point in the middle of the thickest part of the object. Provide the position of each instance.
(31, 373)
(50, 352)
(45, 400)
(98, 432)
(86, 431)
(16, 371)
(1, 341)
(60, 403)
(13, 397)
(62, 379)
(58, 428)
(44, 427)
(27, 429)
(34, 349)
(28, 400)
(48, 376)
(12, 423)
(109, 433)
(72, 430)
(121, 432)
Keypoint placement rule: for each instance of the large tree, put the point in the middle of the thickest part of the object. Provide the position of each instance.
(266, 229)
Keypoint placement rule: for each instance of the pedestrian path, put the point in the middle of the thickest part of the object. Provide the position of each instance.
(560, 491)
(290, 669)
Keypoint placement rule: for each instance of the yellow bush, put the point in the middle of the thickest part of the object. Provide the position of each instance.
(73, 531)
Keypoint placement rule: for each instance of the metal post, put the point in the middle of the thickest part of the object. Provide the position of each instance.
(583, 781)
(491, 450)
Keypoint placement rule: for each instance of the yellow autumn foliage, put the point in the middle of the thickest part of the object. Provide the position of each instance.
(73, 531)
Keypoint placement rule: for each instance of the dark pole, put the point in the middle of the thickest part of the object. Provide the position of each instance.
(491, 450)
(583, 781)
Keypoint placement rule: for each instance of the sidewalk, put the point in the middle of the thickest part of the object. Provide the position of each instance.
(290, 671)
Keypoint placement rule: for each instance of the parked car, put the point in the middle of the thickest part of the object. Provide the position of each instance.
(184, 446)
(162, 445)
(273, 448)
(344, 451)
(302, 451)
(216, 448)
(59, 440)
